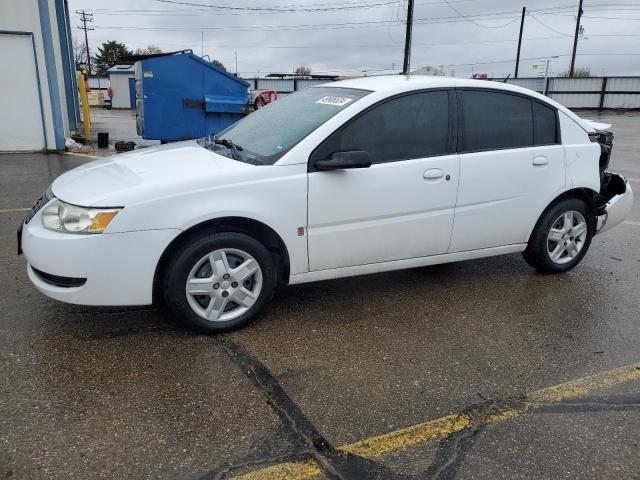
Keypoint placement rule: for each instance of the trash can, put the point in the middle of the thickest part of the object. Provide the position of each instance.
(181, 96)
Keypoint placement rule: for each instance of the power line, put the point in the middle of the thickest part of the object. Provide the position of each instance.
(274, 9)
(513, 15)
(540, 57)
(199, 10)
(381, 23)
(468, 18)
(290, 8)
(548, 27)
(375, 45)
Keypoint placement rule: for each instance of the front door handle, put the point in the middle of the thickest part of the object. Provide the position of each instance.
(538, 161)
(432, 174)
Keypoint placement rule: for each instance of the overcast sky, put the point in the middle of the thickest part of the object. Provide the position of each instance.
(351, 36)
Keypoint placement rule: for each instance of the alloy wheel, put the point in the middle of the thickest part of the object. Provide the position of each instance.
(224, 284)
(566, 237)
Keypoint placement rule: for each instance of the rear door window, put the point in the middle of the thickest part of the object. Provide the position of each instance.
(494, 121)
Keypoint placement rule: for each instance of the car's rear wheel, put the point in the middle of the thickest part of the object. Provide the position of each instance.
(561, 237)
(218, 281)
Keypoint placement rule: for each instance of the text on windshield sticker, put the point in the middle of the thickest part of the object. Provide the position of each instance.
(332, 100)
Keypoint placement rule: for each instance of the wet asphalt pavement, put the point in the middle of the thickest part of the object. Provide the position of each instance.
(125, 393)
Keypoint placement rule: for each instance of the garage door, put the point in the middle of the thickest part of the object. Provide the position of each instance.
(21, 120)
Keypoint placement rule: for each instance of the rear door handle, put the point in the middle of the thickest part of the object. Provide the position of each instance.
(432, 174)
(540, 161)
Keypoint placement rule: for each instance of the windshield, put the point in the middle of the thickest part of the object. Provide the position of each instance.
(268, 133)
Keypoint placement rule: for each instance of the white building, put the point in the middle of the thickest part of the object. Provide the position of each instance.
(432, 71)
(122, 79)
(38, 92)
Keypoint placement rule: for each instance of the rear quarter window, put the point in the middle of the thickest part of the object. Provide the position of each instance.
(545, 128)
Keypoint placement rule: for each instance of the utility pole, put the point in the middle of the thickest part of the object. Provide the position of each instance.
(407, 39)
(86, 18)
(575, 40)
(524, 12)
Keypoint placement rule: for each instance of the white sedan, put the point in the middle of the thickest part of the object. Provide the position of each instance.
(348, 178)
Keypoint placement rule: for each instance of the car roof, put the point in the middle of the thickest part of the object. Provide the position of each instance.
(395, 84)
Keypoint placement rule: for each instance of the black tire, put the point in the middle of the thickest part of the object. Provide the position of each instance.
(187, 257)
(537, 254)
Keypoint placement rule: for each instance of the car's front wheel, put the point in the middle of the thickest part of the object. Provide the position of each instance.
(218, 281)
(561, 237)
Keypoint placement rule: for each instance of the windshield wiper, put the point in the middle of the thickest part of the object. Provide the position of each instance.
(225, 142)
(233, 148)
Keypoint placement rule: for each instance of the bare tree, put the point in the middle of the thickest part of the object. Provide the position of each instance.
(303, 71)
(79, 54)
(150, 50)
(578, 72)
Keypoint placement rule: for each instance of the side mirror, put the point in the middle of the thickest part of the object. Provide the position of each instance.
(343, 160)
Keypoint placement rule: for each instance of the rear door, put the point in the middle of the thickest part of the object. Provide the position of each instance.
(402, 206)
(511, 166)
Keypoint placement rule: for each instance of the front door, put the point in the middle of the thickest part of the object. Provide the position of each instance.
(402, 206)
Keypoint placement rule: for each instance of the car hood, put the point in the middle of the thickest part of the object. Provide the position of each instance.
(146, 174)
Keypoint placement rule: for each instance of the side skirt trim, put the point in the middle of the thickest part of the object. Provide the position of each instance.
(401, 264)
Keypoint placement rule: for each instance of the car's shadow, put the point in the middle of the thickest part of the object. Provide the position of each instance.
(506, 277)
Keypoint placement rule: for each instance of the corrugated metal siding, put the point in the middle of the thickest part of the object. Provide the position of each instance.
(280, 85)
(310, 82)
(616, 84)
(577, 100)
(535, 84)
(622, 100)
(575, 84)
(277, 84)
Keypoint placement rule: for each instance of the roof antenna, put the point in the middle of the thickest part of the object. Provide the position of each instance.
(406, 68)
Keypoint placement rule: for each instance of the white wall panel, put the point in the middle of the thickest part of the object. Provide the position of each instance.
(277, 84)
(623, 84)
(577, 100)
(535, 84)
(624, 100)
(120, 86)
(21, 126)
(310, 82)
(575, 84)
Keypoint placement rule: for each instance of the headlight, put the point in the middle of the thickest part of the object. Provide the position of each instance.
(63, 217)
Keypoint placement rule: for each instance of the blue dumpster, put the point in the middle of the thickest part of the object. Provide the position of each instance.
(181, 96)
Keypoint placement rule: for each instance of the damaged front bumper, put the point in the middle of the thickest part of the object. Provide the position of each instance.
(614, 201)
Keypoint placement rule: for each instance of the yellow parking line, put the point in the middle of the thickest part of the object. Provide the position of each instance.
(431, 431)
(86, 155)
(440, 428)
(585, 385)
(12, 210)
(631, 222)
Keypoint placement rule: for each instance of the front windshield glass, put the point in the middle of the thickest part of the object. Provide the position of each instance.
(268, 133)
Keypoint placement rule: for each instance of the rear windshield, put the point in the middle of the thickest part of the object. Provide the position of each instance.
(268, 133)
